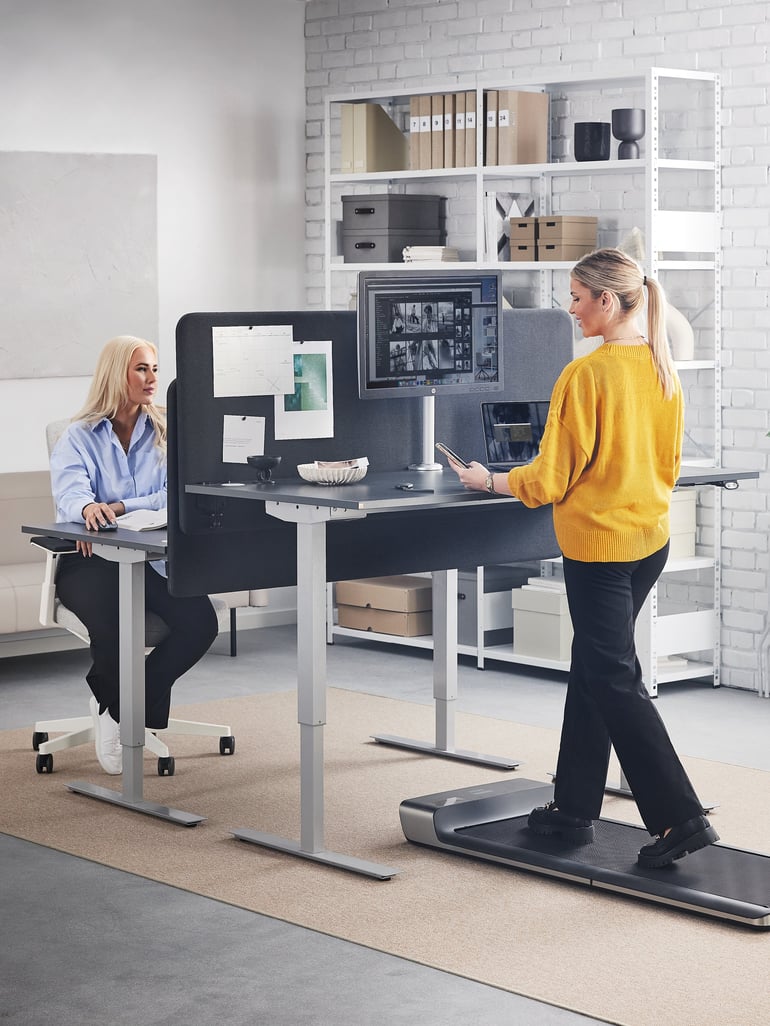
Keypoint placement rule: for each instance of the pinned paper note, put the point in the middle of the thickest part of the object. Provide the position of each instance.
(253, 360)
(242, 437)
(307, 411)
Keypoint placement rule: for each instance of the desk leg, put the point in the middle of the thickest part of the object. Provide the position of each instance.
(445, 682)
(131, 652)
(311, 703)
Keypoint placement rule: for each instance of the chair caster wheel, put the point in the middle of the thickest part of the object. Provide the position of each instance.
(226, 745)
(44, 764)
(166, 766)
(39, 737)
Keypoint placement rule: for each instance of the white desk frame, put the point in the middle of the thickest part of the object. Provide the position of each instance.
(130, 550)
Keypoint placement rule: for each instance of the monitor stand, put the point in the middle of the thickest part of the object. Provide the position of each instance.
(428, 435)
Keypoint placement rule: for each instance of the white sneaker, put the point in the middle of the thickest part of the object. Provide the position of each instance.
(109, 750)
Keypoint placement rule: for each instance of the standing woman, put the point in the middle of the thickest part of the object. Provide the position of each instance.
(112, 460)
(608, 462)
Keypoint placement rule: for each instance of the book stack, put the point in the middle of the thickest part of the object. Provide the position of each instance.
(370, 140)
(442, 131)
(437, 254)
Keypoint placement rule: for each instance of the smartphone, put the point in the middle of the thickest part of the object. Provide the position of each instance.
(452, 455)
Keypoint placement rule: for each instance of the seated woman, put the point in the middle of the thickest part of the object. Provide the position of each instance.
(109, 461)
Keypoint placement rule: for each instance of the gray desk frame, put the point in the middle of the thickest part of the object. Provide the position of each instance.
(311, 507)
(130, 550)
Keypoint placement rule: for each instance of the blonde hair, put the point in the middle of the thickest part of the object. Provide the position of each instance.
(109, 386)
(611, 270)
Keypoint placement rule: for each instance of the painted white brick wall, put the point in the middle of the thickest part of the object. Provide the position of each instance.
(367, 45)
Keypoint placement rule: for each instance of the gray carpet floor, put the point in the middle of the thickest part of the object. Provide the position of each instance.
(88, 945)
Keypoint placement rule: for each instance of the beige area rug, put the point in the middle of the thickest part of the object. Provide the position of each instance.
(607, 956)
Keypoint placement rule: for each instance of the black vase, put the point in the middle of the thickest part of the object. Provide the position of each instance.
(592, 140)
(628, 126)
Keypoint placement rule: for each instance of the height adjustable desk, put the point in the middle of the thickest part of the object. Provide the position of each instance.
(311, 508)
(130, 550)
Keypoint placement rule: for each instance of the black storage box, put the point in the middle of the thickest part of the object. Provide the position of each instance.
(379, 247)
(384, 211)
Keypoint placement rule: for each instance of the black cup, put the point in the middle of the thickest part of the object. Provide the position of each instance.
(592, 140)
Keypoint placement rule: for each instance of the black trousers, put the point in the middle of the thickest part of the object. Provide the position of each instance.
(607, 703)
(89, 588)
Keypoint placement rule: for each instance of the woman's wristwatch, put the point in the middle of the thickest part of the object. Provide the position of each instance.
(490, 484)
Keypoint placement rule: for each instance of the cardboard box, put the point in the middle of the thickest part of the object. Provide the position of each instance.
(542, 627)
(403, 593)
(567, 229)
(385, 621)
(523, 230)
(523, 252)
(562, 251)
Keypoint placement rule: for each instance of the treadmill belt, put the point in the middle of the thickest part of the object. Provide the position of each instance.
(720, 873)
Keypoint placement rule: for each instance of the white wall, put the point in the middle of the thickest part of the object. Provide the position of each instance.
(216, 91)
(367, 46)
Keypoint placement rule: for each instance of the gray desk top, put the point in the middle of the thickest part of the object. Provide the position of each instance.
(377, 493)
(380, 492)
(153, 542)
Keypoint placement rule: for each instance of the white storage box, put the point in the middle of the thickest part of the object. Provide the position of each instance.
(542, 627)
(682, 523)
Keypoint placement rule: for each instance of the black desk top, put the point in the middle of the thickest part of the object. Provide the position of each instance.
(153, 542)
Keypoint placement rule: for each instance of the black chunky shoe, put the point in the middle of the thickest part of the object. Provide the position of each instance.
(681, 840)
(547, 819)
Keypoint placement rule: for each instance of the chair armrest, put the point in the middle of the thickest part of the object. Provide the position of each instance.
(58, 545)
(53, 548)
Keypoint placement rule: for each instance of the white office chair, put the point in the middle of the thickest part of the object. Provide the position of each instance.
(79, 730)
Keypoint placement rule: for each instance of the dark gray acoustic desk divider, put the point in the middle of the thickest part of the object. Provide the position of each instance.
(228, 545)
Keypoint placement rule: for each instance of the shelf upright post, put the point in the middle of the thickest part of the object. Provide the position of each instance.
(327, 204)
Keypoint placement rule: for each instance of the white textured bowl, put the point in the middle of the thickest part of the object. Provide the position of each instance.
(331, 475)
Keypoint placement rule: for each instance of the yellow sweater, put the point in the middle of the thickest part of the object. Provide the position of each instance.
(609, 457)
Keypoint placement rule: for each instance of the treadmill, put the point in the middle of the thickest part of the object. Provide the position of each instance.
(489, 821)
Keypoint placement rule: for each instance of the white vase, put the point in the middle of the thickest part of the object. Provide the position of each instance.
(681, 337)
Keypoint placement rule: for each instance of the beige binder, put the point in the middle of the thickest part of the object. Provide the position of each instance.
(425, 132)
(449, 129)
(490, 127)
(470, 129)
(460, 130)
(437, 130)
(522, 127)
(414, 133)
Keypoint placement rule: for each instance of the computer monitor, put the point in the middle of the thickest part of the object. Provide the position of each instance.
(427, 333)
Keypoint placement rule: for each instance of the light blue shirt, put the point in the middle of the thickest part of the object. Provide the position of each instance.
(88, 464)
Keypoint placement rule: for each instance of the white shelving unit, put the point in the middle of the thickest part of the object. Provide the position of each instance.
(674, 190)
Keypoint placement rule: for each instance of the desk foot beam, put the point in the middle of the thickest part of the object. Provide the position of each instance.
(328, 858)
(104, 794)
(460, 754)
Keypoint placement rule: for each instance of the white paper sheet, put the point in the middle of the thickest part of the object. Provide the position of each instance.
(242, 437)
(253, 360)
(307, 410)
